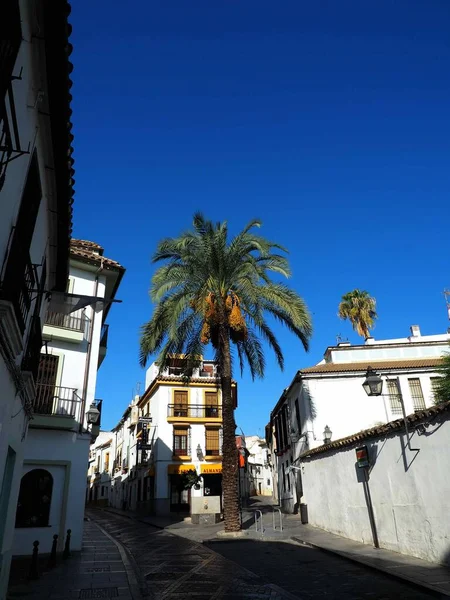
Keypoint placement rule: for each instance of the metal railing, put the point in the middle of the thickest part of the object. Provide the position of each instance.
(75, 321)
(56, 400)
(194, 411)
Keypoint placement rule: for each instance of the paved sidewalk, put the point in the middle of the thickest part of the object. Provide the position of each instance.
(101, 570)
(431, 576)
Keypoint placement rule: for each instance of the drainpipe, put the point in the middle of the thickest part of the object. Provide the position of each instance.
(89, 350)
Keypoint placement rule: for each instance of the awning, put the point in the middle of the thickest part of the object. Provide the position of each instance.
(177, 469)
(213, 469)
(65, 303)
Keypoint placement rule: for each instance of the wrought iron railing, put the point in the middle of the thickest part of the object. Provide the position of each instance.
(75, 321)
(56, 400)
(194, 411)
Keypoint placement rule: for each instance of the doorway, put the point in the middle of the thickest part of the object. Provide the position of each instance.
(180, 500)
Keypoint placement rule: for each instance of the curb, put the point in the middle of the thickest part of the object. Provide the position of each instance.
(130, 569)
(352, 558)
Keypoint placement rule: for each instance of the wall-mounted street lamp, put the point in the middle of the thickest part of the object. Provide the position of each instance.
(200, 453)
(373, 386)
(327, 433)
(92, 414)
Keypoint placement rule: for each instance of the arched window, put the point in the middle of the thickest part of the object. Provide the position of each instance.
(35, 498)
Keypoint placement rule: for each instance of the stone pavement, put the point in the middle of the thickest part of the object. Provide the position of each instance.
(425, 575)
(101, 570)
(173, 568)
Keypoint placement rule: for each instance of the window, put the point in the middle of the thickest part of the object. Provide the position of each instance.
(180, 403)
(394, 396)
(181, 442)
(107, 462)
(35, 497)
(46, 384)
(434, 386)
(19, 277)
(212, 444)
(268, 482)
(416, 393)
(297, 416)
(211, 404)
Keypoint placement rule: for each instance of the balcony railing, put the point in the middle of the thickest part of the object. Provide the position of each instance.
(194, 411)
(56, 400)
(75, 321)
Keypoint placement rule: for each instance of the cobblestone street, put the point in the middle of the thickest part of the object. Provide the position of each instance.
(170, 567)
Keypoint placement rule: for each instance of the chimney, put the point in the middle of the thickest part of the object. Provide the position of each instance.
(415, 331)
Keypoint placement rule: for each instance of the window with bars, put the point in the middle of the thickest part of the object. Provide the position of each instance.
(434, 386)
(394, 396)
(181, 441)
(212, 442)
(416, 393)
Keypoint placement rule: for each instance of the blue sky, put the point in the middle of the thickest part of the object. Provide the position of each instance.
(330, 121)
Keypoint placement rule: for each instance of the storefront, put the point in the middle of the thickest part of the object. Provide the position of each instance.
(180, 498)
(212, 480)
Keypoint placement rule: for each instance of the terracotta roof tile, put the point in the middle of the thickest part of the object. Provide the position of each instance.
(414, 363)
(90, 253)
(381, 430)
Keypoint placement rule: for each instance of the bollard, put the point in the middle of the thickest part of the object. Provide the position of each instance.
(52, 558)
(34, 573)
(66, 552)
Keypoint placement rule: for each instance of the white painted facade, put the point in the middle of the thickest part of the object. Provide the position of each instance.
(59, 435)
(331, 394)
(157, 403)
(409, 488)
(30, 175)
(100, 470)
(260, 473)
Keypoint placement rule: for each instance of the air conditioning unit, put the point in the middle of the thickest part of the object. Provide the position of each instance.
(134, 418)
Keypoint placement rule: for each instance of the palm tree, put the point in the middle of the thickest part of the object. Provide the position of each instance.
(214, 290)
(442, 389)
(359, 308)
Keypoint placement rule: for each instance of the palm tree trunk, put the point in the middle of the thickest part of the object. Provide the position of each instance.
(229, 452)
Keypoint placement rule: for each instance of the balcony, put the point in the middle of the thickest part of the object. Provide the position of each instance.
(56, 407)
(194, 412)
(103, 343)
(69, 328)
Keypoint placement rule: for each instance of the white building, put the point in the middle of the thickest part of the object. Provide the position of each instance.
(330, 394)
(184, 435)
(35, 218)
(100, 469)
(259, 471)
(52, 490)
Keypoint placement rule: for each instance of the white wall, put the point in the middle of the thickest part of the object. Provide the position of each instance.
(410, 491)
(48, 449)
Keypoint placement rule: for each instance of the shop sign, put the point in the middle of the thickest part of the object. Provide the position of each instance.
(211, 469)
(177, 469)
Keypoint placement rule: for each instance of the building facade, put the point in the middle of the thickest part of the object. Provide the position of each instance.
(183, 438)
(35, 224)
(259, 471)
(328, 399)
(51, 496)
